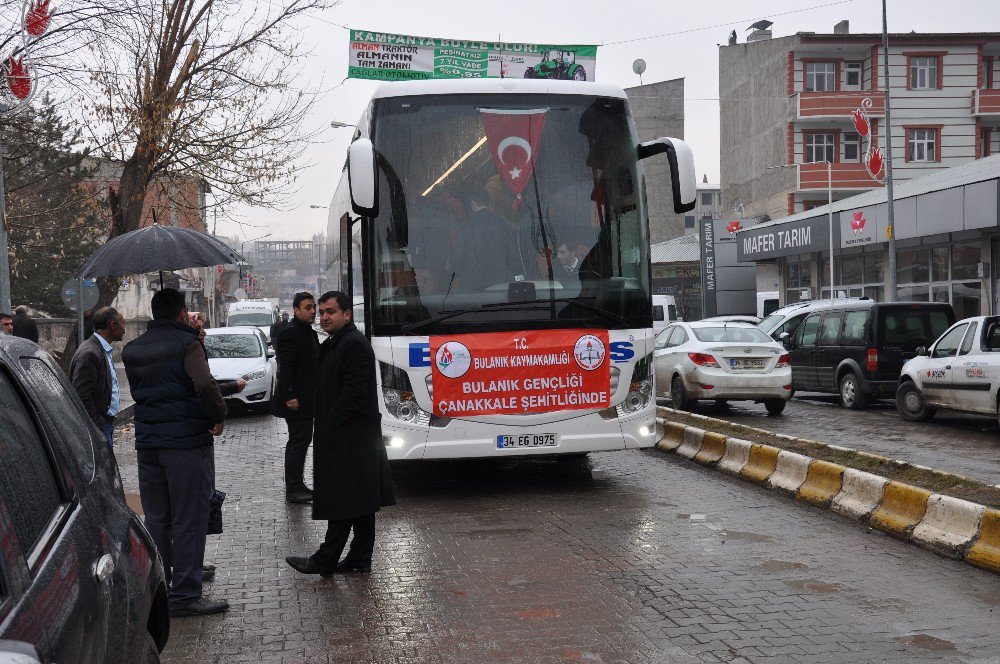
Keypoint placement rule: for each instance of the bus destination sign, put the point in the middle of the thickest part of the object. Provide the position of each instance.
(514, 373)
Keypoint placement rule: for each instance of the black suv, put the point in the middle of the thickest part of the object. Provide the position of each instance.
(80, 578)
(857, 347)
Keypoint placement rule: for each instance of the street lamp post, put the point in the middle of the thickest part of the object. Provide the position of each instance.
(890, 282)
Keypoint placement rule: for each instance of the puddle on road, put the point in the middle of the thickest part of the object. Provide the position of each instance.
(779, 566)
(691, 517)
(746, 537)
(134, 503)
(815, 585)
(926, 642)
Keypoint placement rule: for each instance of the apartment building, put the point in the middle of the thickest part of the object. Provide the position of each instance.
(786, 108)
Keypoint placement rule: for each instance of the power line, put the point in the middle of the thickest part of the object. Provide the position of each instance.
(725, 25)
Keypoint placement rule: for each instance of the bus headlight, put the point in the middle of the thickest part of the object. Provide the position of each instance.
(397, 393)
(640, 393)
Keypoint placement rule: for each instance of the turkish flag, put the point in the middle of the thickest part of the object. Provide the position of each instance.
(513, 140)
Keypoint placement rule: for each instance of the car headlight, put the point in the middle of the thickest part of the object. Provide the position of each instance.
(254, 375)
(397, 392)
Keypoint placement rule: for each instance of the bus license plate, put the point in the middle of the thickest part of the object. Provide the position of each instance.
(527, 440)
(747, 363)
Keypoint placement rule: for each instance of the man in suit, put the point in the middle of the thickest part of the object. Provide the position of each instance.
(24, 327)
(178, 411)
(92, 371)
(351, 480)
(297, 351)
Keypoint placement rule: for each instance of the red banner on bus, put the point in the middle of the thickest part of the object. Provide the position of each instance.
(511, 373)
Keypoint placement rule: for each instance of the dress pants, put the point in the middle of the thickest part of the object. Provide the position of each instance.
(175, 487)
(362, 545)
(300, 434)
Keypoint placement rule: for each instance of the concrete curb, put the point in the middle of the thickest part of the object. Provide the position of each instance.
(950, 527)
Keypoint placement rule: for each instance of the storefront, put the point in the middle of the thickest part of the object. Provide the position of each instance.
(947, 243)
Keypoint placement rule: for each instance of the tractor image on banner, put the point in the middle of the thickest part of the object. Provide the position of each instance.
(558, 64)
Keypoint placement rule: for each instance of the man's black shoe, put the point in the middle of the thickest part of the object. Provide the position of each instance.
(207, 576)
(199, 607)
(299, 496)
(353, 568)
(208, 567)
(307, 566)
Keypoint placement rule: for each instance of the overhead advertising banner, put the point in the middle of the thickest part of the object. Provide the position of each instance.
(384, 56)
(513, 373)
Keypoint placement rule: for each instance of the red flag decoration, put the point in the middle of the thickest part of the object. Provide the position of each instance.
(513, 137)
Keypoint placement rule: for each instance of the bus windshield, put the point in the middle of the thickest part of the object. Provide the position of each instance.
(505, 212)
(254, 318)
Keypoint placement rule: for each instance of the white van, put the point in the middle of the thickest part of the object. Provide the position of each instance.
(255, 313)
(767, 303)
(664, 311)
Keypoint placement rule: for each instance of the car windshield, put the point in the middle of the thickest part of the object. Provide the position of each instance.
(487, 200)
(771, 322)
(740, 334)
(254, 318)
(232, 346)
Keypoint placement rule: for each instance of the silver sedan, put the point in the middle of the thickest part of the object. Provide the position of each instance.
(721, 361)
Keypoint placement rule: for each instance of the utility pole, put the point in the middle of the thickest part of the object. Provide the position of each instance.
(4, 255)
(890, 279)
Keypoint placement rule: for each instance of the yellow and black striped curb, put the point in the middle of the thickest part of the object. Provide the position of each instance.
(950, 527)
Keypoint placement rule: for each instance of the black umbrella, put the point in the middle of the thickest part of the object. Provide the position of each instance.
(155, 249)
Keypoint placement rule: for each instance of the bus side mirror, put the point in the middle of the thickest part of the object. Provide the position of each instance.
(362, 176)
(684, 180)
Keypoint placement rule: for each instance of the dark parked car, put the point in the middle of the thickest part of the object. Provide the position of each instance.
(856, 348)
(80, 578)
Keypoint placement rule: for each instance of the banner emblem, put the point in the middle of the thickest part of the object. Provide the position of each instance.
(589, 352)
(453, 359)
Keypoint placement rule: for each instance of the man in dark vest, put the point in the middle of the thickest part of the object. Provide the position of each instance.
(297, 349)
(178, 411)
(350, 469)
(23, 325)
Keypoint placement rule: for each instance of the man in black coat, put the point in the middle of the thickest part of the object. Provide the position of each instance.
(178, 412)
(351, 480)
(93, 374)
(297, 350)
(24, 327)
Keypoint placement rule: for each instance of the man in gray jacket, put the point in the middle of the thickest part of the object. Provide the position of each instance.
(92, 371)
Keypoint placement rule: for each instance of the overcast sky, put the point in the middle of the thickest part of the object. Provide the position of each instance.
(692, 54)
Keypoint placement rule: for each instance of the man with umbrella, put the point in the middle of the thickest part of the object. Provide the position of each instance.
(178, 411)
(351, 479)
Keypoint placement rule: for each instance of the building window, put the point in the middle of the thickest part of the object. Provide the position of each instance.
(706, 199)
(989, 71)
(924, 72)
(688, 222)
(984, 142)
(852, 75)
(945, 273)
(798, 282)
(852, 146)
(821, 76)
(808, 205)
(922, 145)
(819, 147)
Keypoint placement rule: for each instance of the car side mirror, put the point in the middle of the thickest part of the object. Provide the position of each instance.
(922, 351)
(270, 352)
(18, 652)
(362, 176)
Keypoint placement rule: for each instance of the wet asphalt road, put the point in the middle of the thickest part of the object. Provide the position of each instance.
(965, 444)
(628, 557)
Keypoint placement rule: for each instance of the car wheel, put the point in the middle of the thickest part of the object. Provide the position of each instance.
(678, 396)
(851, 396)
(774, 406)
(910, 404)
(722, 403)
(149, 653)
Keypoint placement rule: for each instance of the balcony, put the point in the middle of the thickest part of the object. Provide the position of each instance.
(845, 176)
(986, 102)
(839, 104)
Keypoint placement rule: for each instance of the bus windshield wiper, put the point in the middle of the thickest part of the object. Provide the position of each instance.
(610, 315)
(409, 328)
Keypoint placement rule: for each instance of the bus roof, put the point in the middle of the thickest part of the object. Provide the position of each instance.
(496, 86)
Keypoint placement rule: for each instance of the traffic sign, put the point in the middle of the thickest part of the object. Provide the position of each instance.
(89, 294)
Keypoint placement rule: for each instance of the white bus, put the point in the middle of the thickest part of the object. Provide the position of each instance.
(496, 234)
